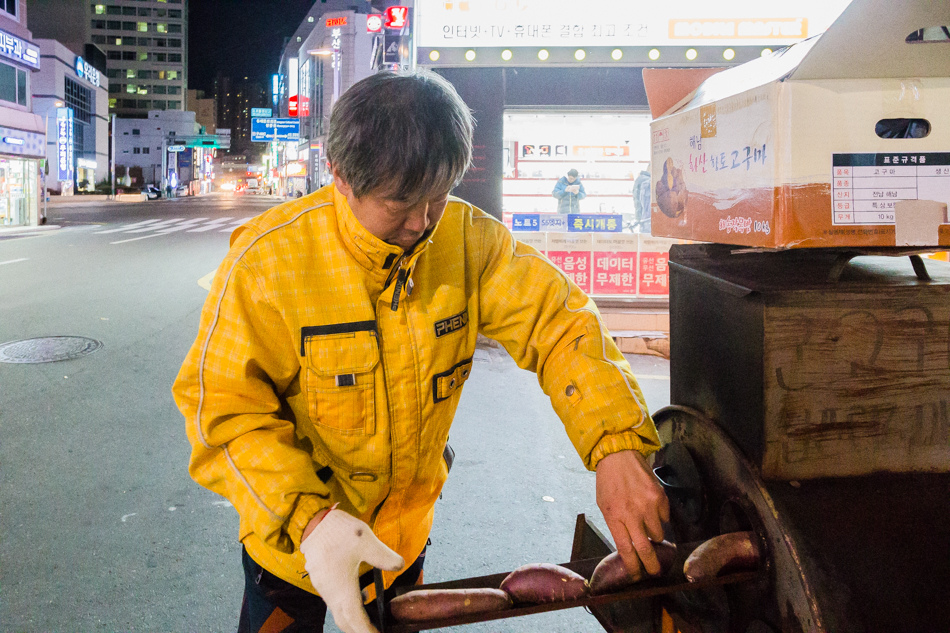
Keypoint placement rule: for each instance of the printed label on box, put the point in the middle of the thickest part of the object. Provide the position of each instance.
(866, 187)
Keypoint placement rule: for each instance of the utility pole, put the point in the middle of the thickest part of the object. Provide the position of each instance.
(112, 161)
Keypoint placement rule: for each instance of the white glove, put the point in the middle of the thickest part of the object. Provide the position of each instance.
(333, 552)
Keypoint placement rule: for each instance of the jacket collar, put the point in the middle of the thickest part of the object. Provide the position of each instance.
(372, 253)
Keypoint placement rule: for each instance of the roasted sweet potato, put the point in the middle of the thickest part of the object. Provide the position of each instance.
(544, 582)
(612, 575)
(727, 552)
(425, 605)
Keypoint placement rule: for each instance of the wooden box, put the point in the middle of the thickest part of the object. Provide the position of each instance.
(815, 364)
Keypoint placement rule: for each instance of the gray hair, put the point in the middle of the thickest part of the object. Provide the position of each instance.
(402, 135)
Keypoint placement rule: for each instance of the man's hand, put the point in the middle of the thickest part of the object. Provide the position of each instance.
(333, 549)
(634, 505)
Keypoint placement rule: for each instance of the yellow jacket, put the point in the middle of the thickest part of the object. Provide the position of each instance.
(328, 367)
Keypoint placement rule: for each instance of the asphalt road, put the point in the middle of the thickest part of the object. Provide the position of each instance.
(101, 528)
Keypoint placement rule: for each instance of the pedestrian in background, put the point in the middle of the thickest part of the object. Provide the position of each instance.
(569, 192)
(333, 348)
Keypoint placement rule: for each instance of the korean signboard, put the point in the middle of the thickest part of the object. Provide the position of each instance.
(548, 23)
(87, 71)
(12, 47)
(64, 143)
(267, 130)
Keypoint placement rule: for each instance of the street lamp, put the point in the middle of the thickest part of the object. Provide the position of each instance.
(56, 104)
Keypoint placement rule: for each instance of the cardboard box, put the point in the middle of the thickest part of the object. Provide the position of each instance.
(787, 151)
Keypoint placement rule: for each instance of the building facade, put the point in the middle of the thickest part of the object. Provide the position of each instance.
(330, 51)
(67, 80)
(145, 42)
(234, 100)
(205, 109)
(139, 144)
(22, 135)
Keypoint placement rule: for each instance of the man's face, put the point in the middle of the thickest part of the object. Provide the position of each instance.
(395, 222)
(571, 179)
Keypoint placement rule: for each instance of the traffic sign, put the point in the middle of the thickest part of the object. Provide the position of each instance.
(265, 130)
(261, 112)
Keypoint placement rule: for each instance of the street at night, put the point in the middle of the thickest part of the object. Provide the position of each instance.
(99, 518)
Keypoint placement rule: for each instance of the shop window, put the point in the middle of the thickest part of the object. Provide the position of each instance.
(161, 27)
(98, 24)
(99, 9)
(142, 27)
(12, 84)
(20, 87)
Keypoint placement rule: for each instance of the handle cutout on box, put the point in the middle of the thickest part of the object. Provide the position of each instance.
(902, 128)
(930, 35)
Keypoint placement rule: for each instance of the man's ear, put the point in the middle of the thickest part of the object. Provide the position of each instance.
(341, 184)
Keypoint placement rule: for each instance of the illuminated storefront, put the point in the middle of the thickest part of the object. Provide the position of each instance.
(555, 86)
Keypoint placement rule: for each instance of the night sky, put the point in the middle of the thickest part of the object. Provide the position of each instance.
(239, 38)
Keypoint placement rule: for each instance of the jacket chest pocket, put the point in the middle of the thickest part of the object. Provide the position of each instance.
(340, 381)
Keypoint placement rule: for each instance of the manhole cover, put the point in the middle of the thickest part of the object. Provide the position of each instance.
(47, 349)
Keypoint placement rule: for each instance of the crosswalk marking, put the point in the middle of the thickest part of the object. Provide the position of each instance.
(213, 224)
(128, 226)
(159, 226)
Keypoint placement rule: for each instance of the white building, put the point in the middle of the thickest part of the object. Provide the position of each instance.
(67, 80)
(139, 144)
(22, 139)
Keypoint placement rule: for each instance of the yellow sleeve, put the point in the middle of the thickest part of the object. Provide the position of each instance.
(551, 327)
(229, 392)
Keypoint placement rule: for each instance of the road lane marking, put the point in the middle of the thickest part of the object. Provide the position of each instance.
(129, 226)
(236, 225)
(13, 261)
(205, 282)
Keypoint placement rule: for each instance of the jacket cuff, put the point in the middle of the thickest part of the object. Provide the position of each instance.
(307, 507)
(620, 442)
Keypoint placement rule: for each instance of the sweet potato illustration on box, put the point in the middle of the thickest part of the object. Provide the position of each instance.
(671, 193)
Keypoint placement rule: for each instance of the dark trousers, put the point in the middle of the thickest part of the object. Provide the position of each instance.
(272, 605)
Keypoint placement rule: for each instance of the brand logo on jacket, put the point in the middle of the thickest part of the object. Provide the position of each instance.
(451, 324)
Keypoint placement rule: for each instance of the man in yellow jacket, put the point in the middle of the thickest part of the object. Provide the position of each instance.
(334, 345)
